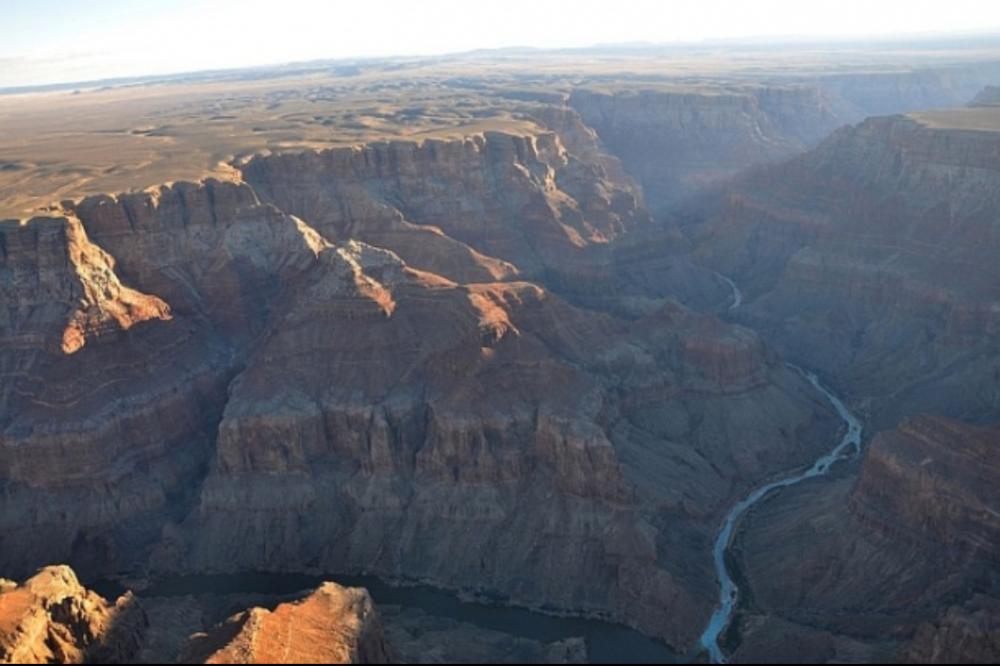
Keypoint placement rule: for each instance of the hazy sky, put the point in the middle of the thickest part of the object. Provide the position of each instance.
(45, 41)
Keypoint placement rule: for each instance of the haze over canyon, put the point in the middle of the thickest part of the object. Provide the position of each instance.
(625, 353)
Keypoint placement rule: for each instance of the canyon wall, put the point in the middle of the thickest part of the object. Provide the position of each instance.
(879, 93)
(258, 390)
(899, 564)
(683, 142)
(870, 258)
(108, 402)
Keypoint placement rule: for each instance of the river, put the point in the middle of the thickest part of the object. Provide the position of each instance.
(607, 643)
(848, 446)
(737, 295)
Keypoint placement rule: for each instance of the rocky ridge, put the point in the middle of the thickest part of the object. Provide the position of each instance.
(882, 235)
(333, 625)
(51, 618)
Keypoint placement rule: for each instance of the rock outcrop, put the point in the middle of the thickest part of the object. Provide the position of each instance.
(51, 618)
(332, 625)
(105, 397)
(968, 635)
(60, 290)
(902, 560)
(871, 258)
(479, 209)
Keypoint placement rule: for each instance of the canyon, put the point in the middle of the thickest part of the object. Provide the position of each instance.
(525, 340)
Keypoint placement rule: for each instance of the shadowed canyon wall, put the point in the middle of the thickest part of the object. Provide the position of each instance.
(329, 405)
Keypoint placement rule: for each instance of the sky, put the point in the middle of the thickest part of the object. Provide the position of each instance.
(51, 41)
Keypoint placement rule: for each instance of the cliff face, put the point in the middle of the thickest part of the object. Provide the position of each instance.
(61, 290)
(211, 250)
(104, 396)
(870, 257)
(483, 208)
(51, 618)
(934, 479)
(291, 399)
(332, 625)
(682, 143)
(105, 446)
(481, 437)
(903, 560)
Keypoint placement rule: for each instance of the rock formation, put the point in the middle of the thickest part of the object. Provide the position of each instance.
(481, 362)
(934, 479)
(480, 209)
(62, 290)
(332, 625)
(870, 565)
(313, 401)
(51, 618)
(879, 93)
(870, 258)
(681, 142)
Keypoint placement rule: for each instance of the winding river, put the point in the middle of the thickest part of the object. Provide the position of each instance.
(737, 300)
(849, 446)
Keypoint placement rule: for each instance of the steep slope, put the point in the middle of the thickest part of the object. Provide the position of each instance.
(872, 258)
(61, 290)
(51, 618)
(903, 559)
(878, 93)
(103, 397)
(680, 142)
(315, 402)
(960, 635)
(105, 446)
(484, 436)
(479, 209)
(332, 625)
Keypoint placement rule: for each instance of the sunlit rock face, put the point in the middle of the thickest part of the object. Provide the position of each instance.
(51, 618)
(331, 625)
(282, 375)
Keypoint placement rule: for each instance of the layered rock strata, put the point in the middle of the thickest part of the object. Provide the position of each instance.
(318, 403)
(871, 257)
(901, 561)
(683, 142)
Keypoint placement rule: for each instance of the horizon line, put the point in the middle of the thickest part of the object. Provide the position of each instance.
(746, 40)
